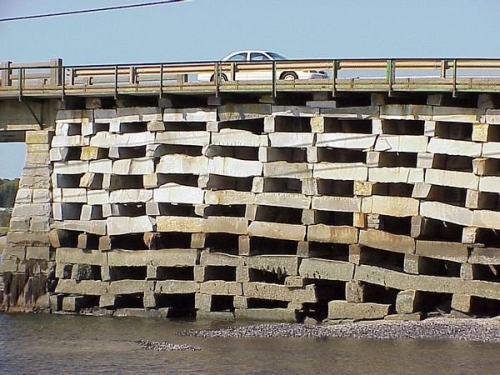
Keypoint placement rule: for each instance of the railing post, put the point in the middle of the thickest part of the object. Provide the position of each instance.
(454, 90)
(161, 80)
(334, 77)
(116, 82)
(216, 79)
(444, 66)
(274, 80)
(20, 83)
(233, 71)
(56, 72)
(391, 74)
(5, 76)
(132, 77)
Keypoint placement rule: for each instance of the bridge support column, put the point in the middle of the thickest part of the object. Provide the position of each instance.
(28, 258)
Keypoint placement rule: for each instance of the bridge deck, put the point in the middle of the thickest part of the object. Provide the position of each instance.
(54, 80)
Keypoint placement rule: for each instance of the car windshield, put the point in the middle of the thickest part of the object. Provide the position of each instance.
(276, 56)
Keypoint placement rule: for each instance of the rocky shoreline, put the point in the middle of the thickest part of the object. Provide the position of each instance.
(481, 330)
(163, 346)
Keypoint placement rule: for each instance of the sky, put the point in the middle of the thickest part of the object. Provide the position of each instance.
(206, 30)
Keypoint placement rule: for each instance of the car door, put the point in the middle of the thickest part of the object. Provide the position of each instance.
(259, 57)
(241, 57)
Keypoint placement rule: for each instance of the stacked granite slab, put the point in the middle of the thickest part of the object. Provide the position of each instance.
(28, 259)
(270, 212)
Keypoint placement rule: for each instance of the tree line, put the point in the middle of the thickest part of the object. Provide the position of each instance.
(8, 191)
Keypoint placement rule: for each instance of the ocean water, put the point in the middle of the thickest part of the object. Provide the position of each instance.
(59, 344)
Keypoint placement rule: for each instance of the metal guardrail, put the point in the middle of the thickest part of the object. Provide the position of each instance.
(55, 79)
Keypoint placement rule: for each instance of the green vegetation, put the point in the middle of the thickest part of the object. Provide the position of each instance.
(8, 191)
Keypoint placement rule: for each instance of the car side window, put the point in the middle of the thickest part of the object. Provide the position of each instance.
(238, 57)
(255, 56)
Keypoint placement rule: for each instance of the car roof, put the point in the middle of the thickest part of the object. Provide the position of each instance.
(246, 51)
(249, 50)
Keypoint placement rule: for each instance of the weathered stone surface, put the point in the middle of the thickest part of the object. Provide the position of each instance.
(387, 241)
(282, 315)
(455, 252)
(234, 167)
(396, 174)
(228, 197)
(278, 264)
(277, 230)
(283, 169)
(447, 212)
(192, 138)
(183, 164)
(326, 269)
(190, 114)
(176, 287)
(83, 287)
(342, 204)
(137, 166)
(175, 193)
(407, 301)
(346, 140)
(401, 143)
(392, 206)
(453, 147)
(340, 171)
(333, 234)
(130, 196)
(451, 178)
(357, 311)
(225, 288)
(480, 255)
(125, 225)
(280, 292)
(237, 137)
(283, 200)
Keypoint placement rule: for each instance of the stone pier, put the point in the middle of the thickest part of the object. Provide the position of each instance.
(385, 208)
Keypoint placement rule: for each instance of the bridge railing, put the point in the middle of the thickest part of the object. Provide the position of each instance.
(21, 78)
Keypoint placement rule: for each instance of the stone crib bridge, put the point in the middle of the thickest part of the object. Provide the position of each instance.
(371, 194)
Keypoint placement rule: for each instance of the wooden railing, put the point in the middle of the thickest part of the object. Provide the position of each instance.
(55, 79)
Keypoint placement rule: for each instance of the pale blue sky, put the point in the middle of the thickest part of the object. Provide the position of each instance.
(209, 29)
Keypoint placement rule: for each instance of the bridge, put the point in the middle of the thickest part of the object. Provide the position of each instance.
(370, 194)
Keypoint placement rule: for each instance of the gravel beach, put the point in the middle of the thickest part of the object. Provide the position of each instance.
(483, 330)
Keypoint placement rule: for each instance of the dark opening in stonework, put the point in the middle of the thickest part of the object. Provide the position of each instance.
(181, 305)
(403, 127)
(175, 273)
(128, 242)
(329, 251)
(272, 246)
(130, 273)
(222, 242)
(334, 125)
(292, 124)
(382, 258)
(258, 303)
(222, 303)
(134, 301)
(263, 276)
(224, 273)
(439, 267)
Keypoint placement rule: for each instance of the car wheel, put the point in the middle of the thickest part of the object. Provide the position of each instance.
(222, 78)
(289, 76)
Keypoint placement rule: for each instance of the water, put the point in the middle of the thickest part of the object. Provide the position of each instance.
(53, 344)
